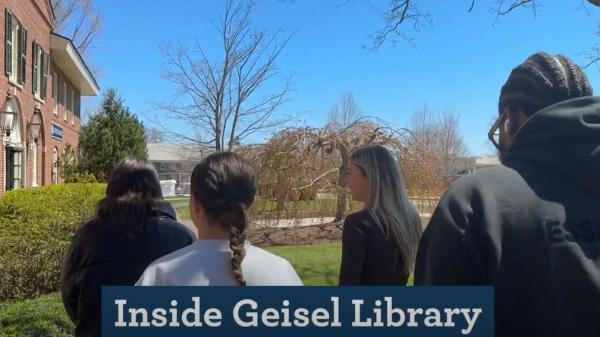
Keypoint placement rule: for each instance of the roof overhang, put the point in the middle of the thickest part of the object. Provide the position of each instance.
(67, 58)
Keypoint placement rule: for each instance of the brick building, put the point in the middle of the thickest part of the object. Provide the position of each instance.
(40, 94)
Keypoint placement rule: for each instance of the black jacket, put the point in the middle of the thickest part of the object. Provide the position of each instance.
(530, 227)
(101, 256)
(369, 257)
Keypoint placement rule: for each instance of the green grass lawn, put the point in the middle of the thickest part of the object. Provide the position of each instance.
(43, 316)
(181, 206)
(317, 265)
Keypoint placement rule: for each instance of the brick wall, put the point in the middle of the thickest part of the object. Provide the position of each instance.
(35, 18)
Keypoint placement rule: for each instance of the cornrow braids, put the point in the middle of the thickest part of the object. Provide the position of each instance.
(543, 80)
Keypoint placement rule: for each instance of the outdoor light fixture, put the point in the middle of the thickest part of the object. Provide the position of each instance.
(8, 116)
(36, 125)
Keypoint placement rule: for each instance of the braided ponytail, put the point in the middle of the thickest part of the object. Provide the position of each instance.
(225, 185)
(236, 244)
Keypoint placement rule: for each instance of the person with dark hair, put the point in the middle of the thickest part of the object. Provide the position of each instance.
(223, 187)
(133, 226)
(379, 242)
(530, 227)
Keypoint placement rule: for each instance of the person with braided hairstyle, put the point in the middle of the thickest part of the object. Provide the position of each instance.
(531, 226)
(223, 187)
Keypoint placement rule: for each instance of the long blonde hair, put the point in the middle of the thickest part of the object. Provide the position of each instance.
(388, 202)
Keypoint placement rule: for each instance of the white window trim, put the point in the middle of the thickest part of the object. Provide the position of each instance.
(54, 169)
(14, 57)
(34, 164)
(38, 96)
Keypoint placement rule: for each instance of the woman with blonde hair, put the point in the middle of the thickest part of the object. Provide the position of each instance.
(379, 242)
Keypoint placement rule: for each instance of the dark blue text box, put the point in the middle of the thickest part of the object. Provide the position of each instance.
(297, 311)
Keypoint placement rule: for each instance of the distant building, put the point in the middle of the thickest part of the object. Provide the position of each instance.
(176, 161)
(485, 161)
(466, 165)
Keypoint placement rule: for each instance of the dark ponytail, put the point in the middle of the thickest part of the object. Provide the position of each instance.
(225, 185)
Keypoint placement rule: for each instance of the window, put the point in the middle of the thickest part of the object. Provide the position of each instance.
(56, 132)
(39, 73)
(64, 97)
(74, 95)
(78, 104)
(14, 169)
(70, 98)
(55, 92)
(15, 49)
(55, 166)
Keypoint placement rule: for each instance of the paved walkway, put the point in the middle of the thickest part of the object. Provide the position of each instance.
(285, 223)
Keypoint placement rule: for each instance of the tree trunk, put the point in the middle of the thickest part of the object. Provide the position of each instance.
(282, 194)
(342, 197)
(342, 204)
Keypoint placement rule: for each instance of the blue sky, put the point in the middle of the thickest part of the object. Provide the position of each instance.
(459, 62)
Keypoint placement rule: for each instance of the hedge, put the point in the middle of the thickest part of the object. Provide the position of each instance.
(36, 226)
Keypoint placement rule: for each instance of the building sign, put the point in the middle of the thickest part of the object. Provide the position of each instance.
(56, 131)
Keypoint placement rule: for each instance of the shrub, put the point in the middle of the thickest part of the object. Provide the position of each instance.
(36, 226)
(81, 178)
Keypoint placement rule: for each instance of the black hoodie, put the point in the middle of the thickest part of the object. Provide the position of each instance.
(530, 227)
(101, 256)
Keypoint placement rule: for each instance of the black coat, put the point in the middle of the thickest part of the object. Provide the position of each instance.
(369, 256)
(530, 227)
(102, 256)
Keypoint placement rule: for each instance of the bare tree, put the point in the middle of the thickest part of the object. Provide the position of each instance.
(404, 18)
(318, 158)
(345, 111)
(438, 134)
(423, 125)
(77, 20)
(219, 99)
(401, 20)
(452, 146)
(339, 144)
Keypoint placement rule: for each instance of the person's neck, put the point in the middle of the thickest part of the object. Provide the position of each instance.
(212, 232)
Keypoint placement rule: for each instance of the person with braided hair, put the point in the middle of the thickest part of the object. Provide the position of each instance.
(223, 187)
(531, 226)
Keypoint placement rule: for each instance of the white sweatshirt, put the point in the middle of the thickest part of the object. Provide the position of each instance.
(208, 262)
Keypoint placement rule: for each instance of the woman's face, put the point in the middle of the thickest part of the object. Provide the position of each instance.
(357, 182)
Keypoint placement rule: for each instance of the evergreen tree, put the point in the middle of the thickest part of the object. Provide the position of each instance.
(109, 136)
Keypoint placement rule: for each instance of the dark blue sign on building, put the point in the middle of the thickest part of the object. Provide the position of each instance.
(56, 131)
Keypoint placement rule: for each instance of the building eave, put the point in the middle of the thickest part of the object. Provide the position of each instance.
(64, 54)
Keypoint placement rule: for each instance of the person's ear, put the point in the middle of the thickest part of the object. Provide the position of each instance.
(509, 125)
(515, 121)
(193, 205)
